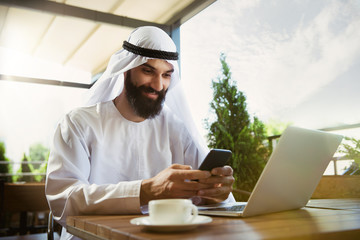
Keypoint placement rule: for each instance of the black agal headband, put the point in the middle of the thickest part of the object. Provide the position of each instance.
(146, 52)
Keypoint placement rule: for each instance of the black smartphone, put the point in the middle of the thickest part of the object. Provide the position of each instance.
(215, 158)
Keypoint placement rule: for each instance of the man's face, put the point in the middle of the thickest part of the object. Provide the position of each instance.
(146, 87)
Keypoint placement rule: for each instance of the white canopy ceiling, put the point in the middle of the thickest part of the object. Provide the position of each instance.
(84, 33)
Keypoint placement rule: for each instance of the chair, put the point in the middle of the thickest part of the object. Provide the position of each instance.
(20, 202)
(338, 186)
(51, 234)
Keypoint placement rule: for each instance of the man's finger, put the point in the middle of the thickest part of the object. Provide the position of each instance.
(178, 175)
(180, 166)
(229, 180)
(191, 185)
(222, 171)
(185, 189)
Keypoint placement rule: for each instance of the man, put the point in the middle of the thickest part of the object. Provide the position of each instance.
(131, 145)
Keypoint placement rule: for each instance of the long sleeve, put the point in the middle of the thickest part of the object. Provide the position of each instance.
(68, 189)
(98, 160)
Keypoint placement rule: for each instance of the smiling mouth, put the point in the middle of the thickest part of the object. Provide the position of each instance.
(153, 96)
(150, 92)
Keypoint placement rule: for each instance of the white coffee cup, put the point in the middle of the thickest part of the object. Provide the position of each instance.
(172, 211)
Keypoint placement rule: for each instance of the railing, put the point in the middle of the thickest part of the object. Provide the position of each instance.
(36, 163)
(334, 161)
(21, 174)
(272, 141)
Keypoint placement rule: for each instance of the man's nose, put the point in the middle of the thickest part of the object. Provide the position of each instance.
(157, 83)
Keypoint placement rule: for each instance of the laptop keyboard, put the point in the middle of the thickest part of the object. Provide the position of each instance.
(234, 208)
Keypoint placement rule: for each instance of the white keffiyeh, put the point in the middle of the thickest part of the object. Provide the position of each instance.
(111, 83)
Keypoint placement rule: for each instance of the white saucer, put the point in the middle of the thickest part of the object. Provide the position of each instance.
(145, 222)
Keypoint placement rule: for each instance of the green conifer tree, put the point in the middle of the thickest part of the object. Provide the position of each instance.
(38, 153)
(26, 167)
(234, 129)
(4, 167)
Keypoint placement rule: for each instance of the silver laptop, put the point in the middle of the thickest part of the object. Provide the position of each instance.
(290, 176)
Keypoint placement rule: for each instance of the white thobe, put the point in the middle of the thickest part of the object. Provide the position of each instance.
(98, 160)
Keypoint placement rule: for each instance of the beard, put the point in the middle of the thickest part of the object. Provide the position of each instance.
(143, 106)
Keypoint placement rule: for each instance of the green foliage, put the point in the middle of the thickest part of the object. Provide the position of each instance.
(274, 127)
(234, 129)
(37, 153)
(26, 167)
(4, 168)
(351, 149)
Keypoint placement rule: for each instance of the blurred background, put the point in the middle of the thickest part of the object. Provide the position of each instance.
(296, 62)
(279, 62)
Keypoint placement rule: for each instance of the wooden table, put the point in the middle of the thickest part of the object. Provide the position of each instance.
(321, 219)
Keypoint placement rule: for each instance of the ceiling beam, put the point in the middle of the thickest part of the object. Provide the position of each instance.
(191, 10)
(341, 127)
(62, 9)
(13, 78)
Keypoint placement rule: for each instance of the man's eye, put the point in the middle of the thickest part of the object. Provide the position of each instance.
(167, 75)
(147, 71)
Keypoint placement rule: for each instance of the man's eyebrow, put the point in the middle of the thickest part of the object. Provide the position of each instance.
(153, 68)
(148, 65)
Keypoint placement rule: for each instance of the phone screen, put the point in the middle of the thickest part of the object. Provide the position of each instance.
(215, 158)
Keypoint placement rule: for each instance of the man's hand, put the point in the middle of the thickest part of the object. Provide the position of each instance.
(174, 182)
(219, 185)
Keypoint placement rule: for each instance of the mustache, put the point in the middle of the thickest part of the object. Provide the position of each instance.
(148, 89)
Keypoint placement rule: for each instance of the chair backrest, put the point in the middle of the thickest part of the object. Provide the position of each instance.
(28, 197)
(338, 186)
(22, 198)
